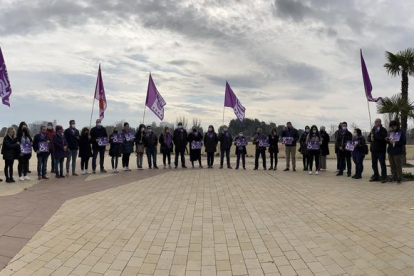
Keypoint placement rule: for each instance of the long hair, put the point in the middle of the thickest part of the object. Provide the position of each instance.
(84, 130)
(310, 134)
(212, 127)
(141, 126)
(20, 130)
(164, 132)
(14, 131)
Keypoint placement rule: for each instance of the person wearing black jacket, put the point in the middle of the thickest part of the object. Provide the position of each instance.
(10, 151)
(180, 144)
(210, 145)
(358, 154)
(260, 150)
(290, 148)
(166, 147)
(377, 138)
(303, 149)
(85, 151)
(273, 148)
(98, 132)
(72, 137)
(151, 142)
(42, 152)
(344, 137)
(240, 150)
(338, 161)
(396, 145)
(139, 145)
(324, 148)
(195, 154)
(23, 136)
(225, 144)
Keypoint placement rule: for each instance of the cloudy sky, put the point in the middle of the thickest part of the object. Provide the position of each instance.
(286, 60)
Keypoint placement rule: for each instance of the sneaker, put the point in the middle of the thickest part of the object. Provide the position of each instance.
(128, 169)
(113, 171)
(83, 172)
(175, 167)
(384, 181)
(275, 168)
(26, 178)
(57, 176)
(264, 168)
(88, 172)
(317, 172)
(271, 168)
(310, 172)
(201, 166)
(339, 174)
(124, 169)
(294, 170)
(184, 167)
(62, 176)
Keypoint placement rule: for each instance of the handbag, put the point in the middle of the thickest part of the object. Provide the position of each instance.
(140, 148)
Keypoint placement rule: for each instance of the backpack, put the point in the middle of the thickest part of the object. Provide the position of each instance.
(365, 148)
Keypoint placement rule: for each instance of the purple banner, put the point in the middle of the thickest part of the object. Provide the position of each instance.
(100, 94)
(231, 100)
(287, 140)
(103, 141)
(350, 145)
(241, 142)
(367, 82)
(5, 88)
(313, 145)
(395, 136)
(118, 138)
(264, 143)
(154, 100)
(26, 148)
(129, 137)
(195, 145)
(43, 147)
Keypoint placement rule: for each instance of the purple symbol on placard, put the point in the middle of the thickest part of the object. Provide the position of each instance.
(313, 145)
(395, 136)
(102, 141)
(117, 138)
(196, 145)
(287, 140)
(43, 147)
(26, 148)
(350, 145)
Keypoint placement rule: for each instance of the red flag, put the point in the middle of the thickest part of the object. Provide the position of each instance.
(100, 94)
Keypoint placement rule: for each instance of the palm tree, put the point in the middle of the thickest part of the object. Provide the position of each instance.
(401, 63)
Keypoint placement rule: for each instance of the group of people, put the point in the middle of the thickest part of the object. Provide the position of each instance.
(89, 143)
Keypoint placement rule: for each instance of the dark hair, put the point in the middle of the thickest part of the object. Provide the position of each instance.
(212, 127)
(71, 121)
(140, 126)
(394, 123)
(20, 130)
(345, 123)
(84, 130)
(126, 124)
(358, 131)
(288, 123)
(314, 126)
(42, 126)
(274, 129)
(307, 127)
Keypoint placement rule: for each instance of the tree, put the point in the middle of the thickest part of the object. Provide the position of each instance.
(197, 124)
(401, 64)
(182, 119)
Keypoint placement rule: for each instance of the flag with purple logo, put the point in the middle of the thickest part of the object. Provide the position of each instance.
(5, 88)
(154, 100)
(100, 94)
(231, 100)
(367, 82)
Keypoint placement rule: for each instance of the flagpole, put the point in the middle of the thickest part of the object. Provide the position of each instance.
(93, 105)
(369, 113)
(143, 118)
(224, 108)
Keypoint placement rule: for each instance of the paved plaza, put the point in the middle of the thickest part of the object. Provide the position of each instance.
(207, 222)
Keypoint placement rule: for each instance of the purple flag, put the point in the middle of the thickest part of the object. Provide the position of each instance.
(230, 100)
(367, 82)
(5, 88)
(100, 94)
(154, 100)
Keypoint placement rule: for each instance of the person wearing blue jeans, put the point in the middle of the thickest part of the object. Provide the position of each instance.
(377, 137)
(72, 137)
(41, 147)
(151, 142)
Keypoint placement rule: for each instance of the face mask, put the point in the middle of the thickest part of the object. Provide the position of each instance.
(344, 128)
(49, 127)
(289, 127)
(24, 128)
(225, 129)
(167, 131)
(314, 131)
(306, 130)
(180, 126)
(194, 130)
(98, 124)
(240, 134)
(355, 134)
(210, 129)
(86, 134)
(149, 130)
(73, 126)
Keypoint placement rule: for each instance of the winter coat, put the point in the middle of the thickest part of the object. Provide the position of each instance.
(273, 143)
(127, 146)
(378, 144)
(342, 138)
(195, 154)
(240, 149)
(40, 138)
(210, 142)
(313, 137)
(325, 143)
(359, 147)
(291, 133)
(85, 149)
(97, 132)
(303, 149)
(24, 138)
(225, 140)
(59, 143)
(180, 139)
(398, 149)
(10, 149)
(115, 149)
(150, 140)
(72, 137)
(165, 148)
(256, 140)
(50, 133)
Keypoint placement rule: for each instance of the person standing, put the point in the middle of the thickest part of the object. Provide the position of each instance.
(166, 144)
(115, 150)
(260, 149)
(273, 148)
(313, 145)
(10, 151)
(151, 143)
(60, 148)
(338, 161)
(72, 137)
(210, 145)
(344, 138)
(377, 138)
(195, 138)
(85, 151)
(180, 144)
(290, 136)
(240, 142)
(358, 154)
(396, 143)
(139, 145)
(225, 144)
(303, 149)
(51, 133)
(325, 139)
(98, 133)
(127, 146)
(23, 136)
(41, 147)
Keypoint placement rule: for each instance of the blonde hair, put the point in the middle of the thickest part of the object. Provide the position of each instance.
(14, 131)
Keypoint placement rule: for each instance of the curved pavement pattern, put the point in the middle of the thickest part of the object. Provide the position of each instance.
(225, 222)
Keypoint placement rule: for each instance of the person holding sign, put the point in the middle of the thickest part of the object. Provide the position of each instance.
(303, 149)
(151, 143)
(85, 151)
(324, 148)
(127, 146)
(72, 136)
(226, 141)
(378, 149)
(10, 151)
(290, 136)
(166, 147)
(195, 139)
(25, 140)
(358, 153)
(396, 143)
(313, 144)
(210, 145)
(343, 139)
(261, 142)
(180, 144)
(241, 142)
(115, 151)
(41, 147)
(139, 145)
(99, 139)
(273, 148)
(60, 148)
